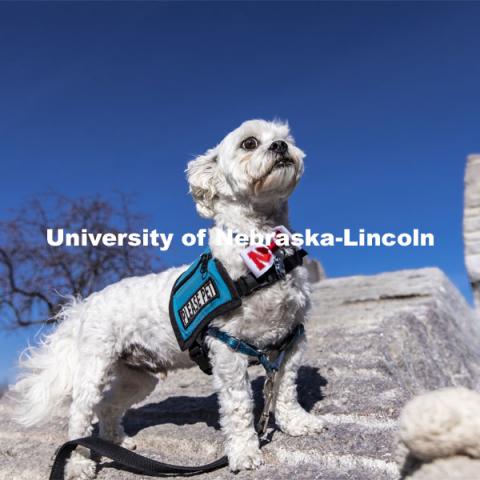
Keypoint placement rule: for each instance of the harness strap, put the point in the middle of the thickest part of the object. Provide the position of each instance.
(247, 284)
(240, 346)
(128, 460)
(246, 348)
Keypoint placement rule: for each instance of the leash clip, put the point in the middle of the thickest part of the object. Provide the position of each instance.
(268, 395)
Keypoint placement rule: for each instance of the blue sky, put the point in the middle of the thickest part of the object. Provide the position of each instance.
(383, 97)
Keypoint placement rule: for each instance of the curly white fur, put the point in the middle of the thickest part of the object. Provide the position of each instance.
(89, 356)
(442, 423)
(42, 383)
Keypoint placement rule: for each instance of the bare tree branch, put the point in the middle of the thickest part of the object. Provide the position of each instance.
(35, 278)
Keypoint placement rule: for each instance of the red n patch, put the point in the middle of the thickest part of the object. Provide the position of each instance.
(260, 256)
(258, 259)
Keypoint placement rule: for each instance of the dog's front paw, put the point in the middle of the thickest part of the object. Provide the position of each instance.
(244, 457)
(80, 468)
(301, 424)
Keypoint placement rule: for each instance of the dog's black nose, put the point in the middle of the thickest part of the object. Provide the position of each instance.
(278, 146)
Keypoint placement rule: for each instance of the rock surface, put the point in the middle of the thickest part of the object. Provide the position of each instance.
(471, 224)
(316, 272)
(374, 343)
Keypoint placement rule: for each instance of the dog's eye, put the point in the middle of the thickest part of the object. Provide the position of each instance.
(250, 143)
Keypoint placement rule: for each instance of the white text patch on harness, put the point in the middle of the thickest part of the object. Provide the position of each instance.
(202, 297)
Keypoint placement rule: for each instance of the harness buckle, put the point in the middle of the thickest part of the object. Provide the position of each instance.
(236, 348)
(279, 264)
(199, 355)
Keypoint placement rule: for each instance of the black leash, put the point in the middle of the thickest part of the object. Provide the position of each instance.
(127, 458)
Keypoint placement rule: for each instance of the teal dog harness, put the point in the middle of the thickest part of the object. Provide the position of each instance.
(205, 290)
(202, 292)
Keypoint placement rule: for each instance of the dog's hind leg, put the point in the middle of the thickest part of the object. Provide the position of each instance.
(89, 383)
(130, 386)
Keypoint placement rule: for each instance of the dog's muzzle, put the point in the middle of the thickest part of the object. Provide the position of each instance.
(282, 162)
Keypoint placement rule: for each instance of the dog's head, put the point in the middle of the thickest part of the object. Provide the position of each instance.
(257, 163)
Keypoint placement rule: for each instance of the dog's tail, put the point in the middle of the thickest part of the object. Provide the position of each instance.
(47, 370)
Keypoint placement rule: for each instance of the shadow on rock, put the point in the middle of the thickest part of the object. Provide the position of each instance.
(180, 410)
(309, 387)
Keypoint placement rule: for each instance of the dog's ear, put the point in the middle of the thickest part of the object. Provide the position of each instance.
(201, 176)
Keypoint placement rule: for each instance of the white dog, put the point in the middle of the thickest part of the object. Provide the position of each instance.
(242, 184)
